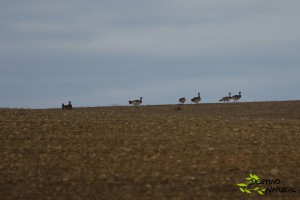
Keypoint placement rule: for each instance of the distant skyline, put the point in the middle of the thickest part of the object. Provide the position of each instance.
(101, 53)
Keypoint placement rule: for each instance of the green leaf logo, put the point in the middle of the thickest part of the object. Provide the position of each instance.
(251, 179)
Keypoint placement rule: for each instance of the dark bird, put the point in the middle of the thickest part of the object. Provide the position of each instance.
(236, 97)
(69, 106)
(197, 99)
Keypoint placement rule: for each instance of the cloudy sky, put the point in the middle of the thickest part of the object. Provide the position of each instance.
(100, 53)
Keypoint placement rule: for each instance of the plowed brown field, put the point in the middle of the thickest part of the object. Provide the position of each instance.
(151, 152)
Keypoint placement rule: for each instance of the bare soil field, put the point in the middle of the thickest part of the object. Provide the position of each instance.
(151, 152)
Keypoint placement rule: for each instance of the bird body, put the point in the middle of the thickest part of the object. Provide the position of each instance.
(197, 99)
(236, 97)
(136, 102)
(182, 100)
(69, 106)
(226, 99)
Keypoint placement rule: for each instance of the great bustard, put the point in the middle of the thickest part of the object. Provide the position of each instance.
(182, 100)
(136, 102)
(236, 97)
(227, 98)
(69, 106)
(197, 99)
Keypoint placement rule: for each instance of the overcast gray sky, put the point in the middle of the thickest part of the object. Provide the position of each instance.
(99, 53)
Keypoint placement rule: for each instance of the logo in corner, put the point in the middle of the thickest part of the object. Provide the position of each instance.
(245, 187)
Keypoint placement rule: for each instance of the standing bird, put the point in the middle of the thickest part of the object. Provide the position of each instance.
(136, 102)
(236, 97)
(227, 98)
(182, 100)
(69, 106)
(197, 99)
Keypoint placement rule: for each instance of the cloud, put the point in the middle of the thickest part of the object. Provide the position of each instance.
(167, 29)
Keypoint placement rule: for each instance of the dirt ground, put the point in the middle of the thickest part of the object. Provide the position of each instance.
(151, 152)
